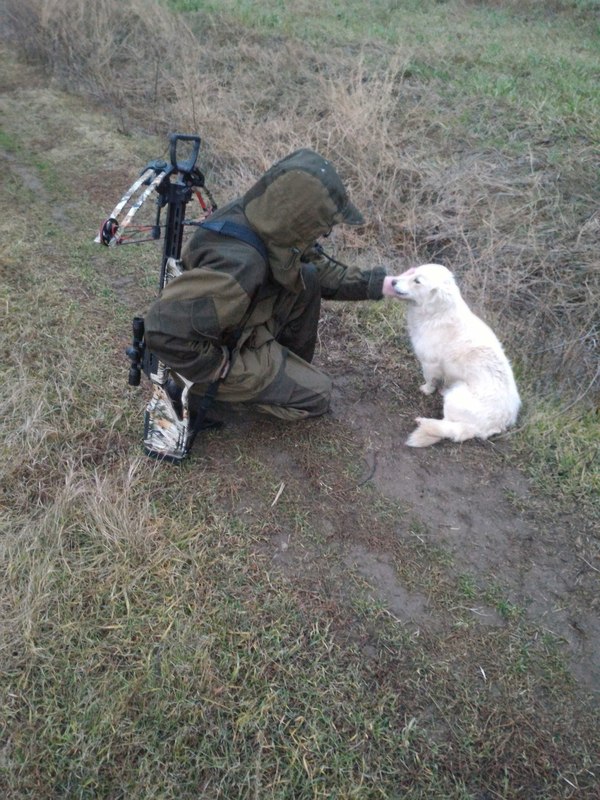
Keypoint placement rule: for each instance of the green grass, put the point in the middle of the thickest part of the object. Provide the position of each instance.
(564, 454)
(542, 65)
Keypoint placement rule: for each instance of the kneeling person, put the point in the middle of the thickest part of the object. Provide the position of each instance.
(250, 295)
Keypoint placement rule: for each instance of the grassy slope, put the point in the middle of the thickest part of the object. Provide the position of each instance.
(507, 169)
(540, 59)
(151, 649)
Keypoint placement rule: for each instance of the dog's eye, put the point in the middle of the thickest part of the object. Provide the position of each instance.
(417, 280)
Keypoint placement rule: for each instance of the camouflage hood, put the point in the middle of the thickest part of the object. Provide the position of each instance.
(297, 200)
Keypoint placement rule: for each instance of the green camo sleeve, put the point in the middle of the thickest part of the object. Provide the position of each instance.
(343, 282)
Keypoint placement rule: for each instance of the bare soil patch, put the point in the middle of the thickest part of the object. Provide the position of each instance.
(487, 515)
(469, 502)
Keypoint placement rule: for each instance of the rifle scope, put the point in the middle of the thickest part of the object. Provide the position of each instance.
(135, 353)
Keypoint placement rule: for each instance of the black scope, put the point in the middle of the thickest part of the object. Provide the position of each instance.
(135, 353)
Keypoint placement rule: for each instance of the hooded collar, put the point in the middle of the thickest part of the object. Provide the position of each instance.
(297, 200)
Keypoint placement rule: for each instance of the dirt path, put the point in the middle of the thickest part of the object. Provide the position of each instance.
(487, 515)
(465, 501)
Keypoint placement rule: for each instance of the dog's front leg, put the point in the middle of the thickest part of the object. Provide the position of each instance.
(432, 375)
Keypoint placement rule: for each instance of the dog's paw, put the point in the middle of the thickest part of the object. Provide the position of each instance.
(413, 439)
(428, 388)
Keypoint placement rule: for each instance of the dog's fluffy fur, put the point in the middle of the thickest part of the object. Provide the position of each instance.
(460, 355)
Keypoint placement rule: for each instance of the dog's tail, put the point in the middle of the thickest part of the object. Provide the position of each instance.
(430, 431)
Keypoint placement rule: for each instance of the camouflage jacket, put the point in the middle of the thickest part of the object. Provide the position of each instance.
(298, 200)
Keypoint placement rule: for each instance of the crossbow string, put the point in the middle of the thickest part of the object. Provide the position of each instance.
(154, 177)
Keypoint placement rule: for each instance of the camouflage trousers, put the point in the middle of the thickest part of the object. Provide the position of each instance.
(277, 377)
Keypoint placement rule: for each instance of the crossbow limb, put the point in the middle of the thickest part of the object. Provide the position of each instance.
(111, 232)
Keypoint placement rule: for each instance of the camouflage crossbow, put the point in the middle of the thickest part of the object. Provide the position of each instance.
(169, 431)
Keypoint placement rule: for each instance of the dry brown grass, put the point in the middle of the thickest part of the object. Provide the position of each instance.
(521, 231)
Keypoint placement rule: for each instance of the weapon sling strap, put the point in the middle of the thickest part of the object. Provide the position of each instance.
(237, 231)
(247, 235)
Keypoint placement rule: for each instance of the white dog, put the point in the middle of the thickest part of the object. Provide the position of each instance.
(459, 354)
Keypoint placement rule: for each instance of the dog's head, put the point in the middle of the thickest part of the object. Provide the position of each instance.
(429, 283)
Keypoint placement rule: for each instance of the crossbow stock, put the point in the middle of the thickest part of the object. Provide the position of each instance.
(168, 431)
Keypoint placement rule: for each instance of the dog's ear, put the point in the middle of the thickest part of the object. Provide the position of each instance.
(448, 278)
